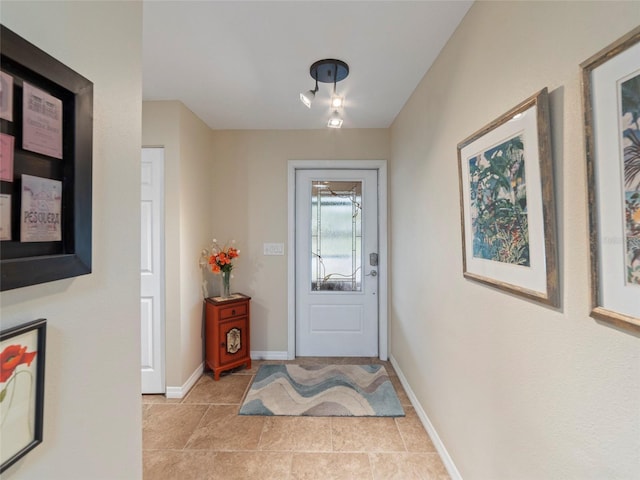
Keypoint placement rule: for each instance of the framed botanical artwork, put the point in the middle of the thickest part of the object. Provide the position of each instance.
(507, 203)
(22, 360)
(611, 97)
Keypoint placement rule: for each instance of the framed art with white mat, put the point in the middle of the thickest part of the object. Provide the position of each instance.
(611, 99)
(507, 203)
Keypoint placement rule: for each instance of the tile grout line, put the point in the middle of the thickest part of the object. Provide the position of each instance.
(246, 391)
(264, 422)
(370, 465)
(290, 472)
(195, 429)
(331, 433)
(395, 422)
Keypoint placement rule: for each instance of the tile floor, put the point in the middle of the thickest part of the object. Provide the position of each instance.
(201, 437)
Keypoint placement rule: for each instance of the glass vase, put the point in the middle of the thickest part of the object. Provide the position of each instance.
(225, 291)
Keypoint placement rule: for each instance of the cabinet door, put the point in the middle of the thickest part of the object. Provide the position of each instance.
(233, 340)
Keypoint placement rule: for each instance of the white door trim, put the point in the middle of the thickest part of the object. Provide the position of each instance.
(383, 275)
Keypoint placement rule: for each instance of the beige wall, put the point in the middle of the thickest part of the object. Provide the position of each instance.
(249, 204)
(516, 390)
(92, 410)
(195, 232)
(187, 143)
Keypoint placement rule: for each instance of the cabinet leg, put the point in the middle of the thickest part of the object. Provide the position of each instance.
(216, 375)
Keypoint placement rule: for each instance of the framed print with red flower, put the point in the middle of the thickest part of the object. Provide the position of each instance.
(22, 361)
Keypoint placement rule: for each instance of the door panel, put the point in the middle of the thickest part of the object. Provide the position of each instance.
(336, 292)
(151, 271)
(146, 323)
(336, 318)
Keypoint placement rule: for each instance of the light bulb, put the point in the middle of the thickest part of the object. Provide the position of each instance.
(307, 98)
(335, 120)
(337, 102)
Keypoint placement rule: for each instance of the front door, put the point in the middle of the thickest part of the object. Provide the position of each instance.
(336, 263)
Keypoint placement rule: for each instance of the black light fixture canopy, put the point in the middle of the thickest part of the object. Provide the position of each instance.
(329, 70)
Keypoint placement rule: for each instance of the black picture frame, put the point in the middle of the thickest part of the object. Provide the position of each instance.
(30, 263)
(19, 438)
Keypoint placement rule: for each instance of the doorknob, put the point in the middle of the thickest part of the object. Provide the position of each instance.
(372, 273)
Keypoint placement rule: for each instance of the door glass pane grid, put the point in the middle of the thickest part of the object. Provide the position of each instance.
(336, 236)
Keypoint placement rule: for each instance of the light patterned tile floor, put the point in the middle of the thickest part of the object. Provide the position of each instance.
(201, 437)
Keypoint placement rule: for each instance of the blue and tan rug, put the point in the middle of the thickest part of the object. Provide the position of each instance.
(322, 391)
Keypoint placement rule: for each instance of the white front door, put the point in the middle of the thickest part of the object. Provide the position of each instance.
(336, 262)
(152, 270)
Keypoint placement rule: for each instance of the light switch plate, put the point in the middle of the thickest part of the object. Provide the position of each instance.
(274, 248)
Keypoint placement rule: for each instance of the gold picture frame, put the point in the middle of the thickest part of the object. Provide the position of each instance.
(507, 203)
(611, 103)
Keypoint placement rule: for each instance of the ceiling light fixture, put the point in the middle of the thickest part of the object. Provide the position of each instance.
(308, 97)
(335, 120)
(328, 71)
(337, 101)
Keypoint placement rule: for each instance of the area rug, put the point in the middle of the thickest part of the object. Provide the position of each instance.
(322, 391)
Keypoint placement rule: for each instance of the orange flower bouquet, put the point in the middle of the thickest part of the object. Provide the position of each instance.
(219, 259)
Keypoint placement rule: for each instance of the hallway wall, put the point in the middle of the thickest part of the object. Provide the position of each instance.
(188, 152)
(92, 413)
(515, 389)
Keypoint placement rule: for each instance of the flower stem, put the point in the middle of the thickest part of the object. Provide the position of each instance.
(13, 391)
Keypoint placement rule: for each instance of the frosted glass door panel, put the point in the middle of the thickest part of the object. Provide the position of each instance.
(336, 236)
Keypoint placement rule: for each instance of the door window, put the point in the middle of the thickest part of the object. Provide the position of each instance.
(336, 236)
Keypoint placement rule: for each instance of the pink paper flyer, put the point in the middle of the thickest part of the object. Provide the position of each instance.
(41, 122)
(6, 157)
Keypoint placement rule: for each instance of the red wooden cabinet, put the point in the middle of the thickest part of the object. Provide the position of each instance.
(227, 333)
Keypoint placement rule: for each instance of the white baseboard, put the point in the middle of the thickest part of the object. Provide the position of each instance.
(268, 355)
(180, 392)
(444, 454)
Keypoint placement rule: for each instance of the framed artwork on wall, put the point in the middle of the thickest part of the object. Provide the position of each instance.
(46, 130)
(507, 203)
(22, 362)
(611, 100)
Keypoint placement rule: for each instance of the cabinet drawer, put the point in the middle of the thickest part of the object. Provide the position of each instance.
(233, 311)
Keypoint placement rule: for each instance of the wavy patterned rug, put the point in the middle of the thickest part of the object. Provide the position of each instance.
(322, 391)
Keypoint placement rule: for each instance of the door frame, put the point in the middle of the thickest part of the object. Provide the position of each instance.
(383, 269)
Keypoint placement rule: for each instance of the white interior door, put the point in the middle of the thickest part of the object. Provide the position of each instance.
(336, 263)
(152, 271)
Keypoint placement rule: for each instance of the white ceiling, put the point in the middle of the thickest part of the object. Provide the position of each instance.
(242, 65)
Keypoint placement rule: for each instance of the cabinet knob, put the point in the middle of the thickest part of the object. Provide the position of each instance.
(233, 312)
(223, 344)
